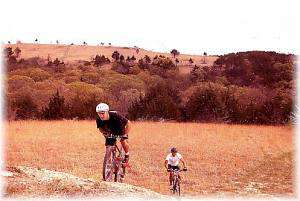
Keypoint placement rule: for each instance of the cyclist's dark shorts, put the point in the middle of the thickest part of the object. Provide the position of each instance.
(173, 167)
(112, 141)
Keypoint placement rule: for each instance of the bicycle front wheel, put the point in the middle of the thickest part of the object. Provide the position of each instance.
(108, 166)
(176, 187)
(120, 170)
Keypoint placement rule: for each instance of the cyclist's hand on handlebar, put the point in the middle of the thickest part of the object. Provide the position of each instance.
(105, 134)
(184, 169)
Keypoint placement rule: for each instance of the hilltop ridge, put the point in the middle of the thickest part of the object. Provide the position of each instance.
(73, 53)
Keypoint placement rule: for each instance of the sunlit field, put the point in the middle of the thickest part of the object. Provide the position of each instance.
(220, 158)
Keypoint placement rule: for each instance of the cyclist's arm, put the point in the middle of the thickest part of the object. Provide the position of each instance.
(102, 131)
(166, 164)
(182, 161)
(127, 127)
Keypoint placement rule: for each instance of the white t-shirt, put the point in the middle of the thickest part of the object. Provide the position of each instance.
(173, 160)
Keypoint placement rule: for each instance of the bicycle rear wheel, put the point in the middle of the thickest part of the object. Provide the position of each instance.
(108, 165)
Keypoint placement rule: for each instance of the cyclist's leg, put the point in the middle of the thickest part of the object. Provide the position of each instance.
(170, 178)
(170, 174)
(125, 145)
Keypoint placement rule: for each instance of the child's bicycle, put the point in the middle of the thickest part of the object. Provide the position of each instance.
(176, 181)
(113, 168)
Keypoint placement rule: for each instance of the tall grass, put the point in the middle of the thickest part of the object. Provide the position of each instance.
(218, 156)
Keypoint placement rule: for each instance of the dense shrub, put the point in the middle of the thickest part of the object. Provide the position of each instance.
(100, 60)
(121, 67)
(144, 63)
(82, 108)
(161, 101)
(25, 108)
(256, 68)
(90, 77)
(84, 90)
(207, 103)
(115, 83)
(18, 81)
(37, 74)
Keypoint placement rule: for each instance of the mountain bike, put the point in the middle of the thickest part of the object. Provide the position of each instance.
(113, 168)
(176, 181)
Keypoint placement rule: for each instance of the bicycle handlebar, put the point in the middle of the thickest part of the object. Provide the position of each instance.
(112, 136)
(180, 170)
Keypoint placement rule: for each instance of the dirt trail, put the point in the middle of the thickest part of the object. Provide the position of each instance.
(36, 182)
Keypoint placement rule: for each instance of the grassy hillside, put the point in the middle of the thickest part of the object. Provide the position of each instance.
(73, 53)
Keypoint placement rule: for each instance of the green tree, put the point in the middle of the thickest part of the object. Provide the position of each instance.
(175, 52)
(17, 52)
(121, 58)
(8, 52)
(191, 61)
(56, 107)
(115, 55)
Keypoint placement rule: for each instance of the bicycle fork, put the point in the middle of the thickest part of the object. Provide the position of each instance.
(118, 158)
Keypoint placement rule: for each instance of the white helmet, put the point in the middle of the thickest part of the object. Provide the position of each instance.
(102, 107)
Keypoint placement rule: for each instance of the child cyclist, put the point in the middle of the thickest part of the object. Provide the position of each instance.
(172, 163)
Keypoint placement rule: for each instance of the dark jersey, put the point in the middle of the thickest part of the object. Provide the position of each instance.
(115, 125)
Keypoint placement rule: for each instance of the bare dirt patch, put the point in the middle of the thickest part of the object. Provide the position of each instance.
(37, 182)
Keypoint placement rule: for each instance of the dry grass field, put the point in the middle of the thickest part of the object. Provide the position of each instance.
(73, 53)
(220, 158)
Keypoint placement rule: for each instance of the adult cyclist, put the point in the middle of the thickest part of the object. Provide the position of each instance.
(172, 163)
(111, 122)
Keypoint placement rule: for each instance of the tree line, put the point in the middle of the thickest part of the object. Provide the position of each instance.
(254, 87)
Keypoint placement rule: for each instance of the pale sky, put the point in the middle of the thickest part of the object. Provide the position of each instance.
(192, 27)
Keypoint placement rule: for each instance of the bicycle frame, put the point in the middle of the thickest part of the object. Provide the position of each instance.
(176, 174)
